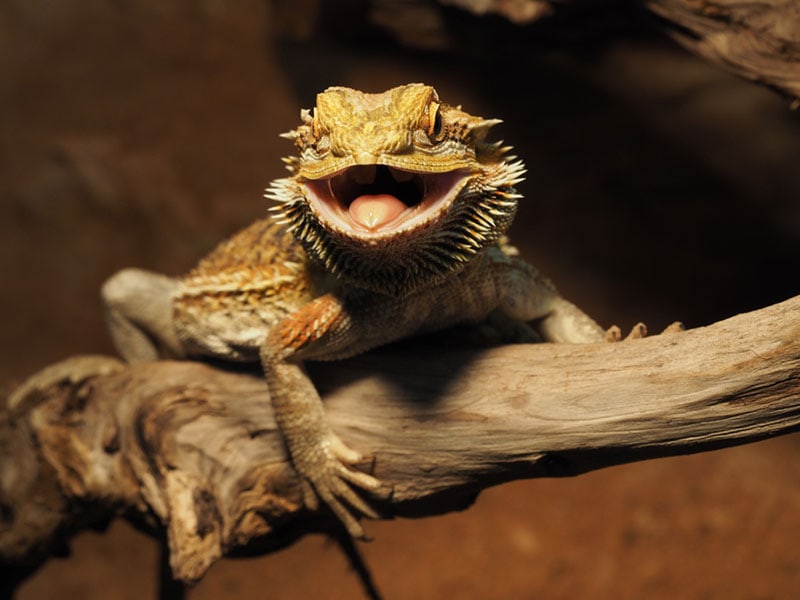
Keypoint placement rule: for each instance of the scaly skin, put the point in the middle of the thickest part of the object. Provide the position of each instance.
(390, 224)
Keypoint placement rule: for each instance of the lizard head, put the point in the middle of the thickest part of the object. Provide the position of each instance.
(397, 190)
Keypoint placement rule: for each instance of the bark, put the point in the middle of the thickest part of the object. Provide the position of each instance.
(758, 40)
(192, 450)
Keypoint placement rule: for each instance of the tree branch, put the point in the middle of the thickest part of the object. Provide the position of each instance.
(758, 40)
(192, 448)
(755, 39)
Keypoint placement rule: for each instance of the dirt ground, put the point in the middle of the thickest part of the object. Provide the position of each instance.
(659, 188)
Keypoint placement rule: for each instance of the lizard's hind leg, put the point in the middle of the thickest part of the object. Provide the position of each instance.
(138, 311)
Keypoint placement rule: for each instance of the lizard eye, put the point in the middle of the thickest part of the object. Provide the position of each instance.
(436, 127)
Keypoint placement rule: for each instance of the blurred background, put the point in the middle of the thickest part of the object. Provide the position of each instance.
(140, 133)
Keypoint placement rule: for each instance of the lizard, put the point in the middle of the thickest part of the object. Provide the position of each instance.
(392, 223)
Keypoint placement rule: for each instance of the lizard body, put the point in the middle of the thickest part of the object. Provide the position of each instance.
(391, 224)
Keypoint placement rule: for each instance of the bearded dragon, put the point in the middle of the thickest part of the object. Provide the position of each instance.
(390, 225)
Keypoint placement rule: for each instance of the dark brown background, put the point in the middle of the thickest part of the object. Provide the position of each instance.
(659, 188)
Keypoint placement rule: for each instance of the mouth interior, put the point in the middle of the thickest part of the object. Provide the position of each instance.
(377, 180)
(378, 199)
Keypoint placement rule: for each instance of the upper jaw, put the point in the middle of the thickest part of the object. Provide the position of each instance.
(375, 202)
(447, 156)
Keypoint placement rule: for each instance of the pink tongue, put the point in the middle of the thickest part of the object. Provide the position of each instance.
(375, 210)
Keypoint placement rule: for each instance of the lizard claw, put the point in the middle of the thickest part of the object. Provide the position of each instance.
(638, 331)
(675, 327)
(613, 334)
(329, 478)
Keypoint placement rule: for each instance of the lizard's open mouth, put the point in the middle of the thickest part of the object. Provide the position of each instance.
(377, 201)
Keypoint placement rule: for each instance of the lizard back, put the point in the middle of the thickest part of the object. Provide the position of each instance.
(243, 287)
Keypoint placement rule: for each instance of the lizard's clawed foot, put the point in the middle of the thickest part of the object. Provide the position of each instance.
(614, 334)
(674, 327)
(328, 477)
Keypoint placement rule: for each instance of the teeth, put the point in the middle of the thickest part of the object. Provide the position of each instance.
(400, 176)
(363, 174)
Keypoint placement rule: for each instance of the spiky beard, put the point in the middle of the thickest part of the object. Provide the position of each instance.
(408, 260)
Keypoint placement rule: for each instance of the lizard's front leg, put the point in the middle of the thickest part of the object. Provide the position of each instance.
(525, 295)
(319, 456)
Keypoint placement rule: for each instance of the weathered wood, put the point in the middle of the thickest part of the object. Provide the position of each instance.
(193, 449)
(758, 40)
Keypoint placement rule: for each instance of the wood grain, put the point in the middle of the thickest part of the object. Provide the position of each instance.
(192, 449)
(758, 40)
